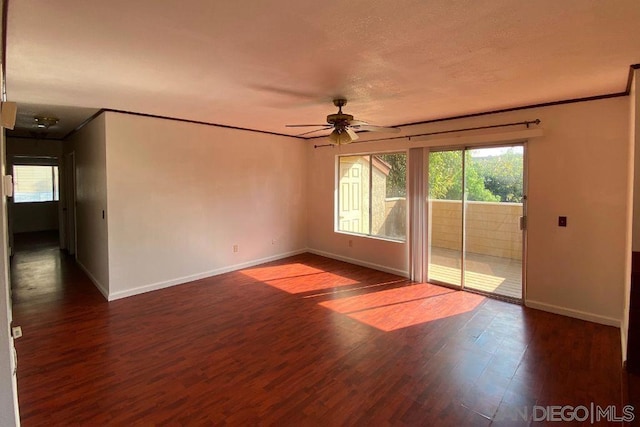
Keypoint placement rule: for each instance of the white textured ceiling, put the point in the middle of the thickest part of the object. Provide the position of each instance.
(263, 64)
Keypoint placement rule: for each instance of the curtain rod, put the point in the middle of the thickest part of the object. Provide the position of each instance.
(527, 123)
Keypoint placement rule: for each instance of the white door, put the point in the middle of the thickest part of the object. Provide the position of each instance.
(351, 212)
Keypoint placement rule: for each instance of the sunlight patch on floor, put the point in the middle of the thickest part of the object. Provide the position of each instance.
(385, 298)
(298, 278)
(399, 308)
(280, 271)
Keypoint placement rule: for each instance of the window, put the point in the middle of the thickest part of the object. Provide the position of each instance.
(35, 183)
(372, 194)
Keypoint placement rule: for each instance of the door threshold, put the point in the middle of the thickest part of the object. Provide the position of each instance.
(504, 298)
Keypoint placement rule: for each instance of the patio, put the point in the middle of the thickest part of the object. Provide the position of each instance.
(497, 275)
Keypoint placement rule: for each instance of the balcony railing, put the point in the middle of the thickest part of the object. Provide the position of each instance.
(492, 228)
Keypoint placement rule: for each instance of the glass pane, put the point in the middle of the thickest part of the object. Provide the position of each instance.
(33, 183)
(493, 245)
(445, 217)
(353, 194)
(389, 195)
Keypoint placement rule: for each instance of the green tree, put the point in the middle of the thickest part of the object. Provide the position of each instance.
(397, 178)
(445, 178)
(488, 179)
(445, 175)
(503, 174)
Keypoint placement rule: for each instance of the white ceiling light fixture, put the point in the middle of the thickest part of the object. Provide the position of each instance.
(43, 122)
(342, 136)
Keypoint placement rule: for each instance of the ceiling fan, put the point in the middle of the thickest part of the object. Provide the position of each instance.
(344, 126)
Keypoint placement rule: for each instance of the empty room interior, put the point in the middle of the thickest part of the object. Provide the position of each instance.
(294, 213)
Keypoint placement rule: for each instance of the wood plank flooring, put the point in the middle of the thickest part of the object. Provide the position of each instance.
(302, 341)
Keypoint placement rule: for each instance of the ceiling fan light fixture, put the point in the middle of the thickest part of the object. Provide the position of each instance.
(45, 122)
(334, 137)
(342, 136)
(352, 134)
(344, 126)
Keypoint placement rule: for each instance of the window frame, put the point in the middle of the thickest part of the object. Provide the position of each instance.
(337, 193)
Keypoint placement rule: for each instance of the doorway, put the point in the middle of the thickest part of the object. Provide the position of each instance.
(69, 205)
(477, 205)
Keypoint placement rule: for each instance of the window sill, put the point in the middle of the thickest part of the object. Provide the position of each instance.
(371, 236)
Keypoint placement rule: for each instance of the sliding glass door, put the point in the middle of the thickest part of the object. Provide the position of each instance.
(446, 176)
(476, 219)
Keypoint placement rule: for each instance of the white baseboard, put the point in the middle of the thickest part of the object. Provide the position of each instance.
(190, 278)
(95, 281)
(582, 315)
(371, 265)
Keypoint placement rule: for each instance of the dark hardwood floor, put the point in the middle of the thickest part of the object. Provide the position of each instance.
(302, 341)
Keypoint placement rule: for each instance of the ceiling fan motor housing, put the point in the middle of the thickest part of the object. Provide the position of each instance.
(339, 119)
(344, 126)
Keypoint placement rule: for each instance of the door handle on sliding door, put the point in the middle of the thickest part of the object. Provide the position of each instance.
(523, 222)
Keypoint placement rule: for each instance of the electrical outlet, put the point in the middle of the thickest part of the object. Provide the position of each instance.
(235, 248)
(16, 332)
(562, 221)
(350, 243)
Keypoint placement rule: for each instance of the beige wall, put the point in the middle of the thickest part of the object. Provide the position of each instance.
(33, 148)
(182, 195)
(89, 146)
(27, 217)
(578, 169)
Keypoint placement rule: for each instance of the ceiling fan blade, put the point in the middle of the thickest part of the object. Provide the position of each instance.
(312, 131)
(305, 126)
(357, 123)
(372, 128)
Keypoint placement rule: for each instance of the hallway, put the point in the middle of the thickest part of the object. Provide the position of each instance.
(39, 270)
